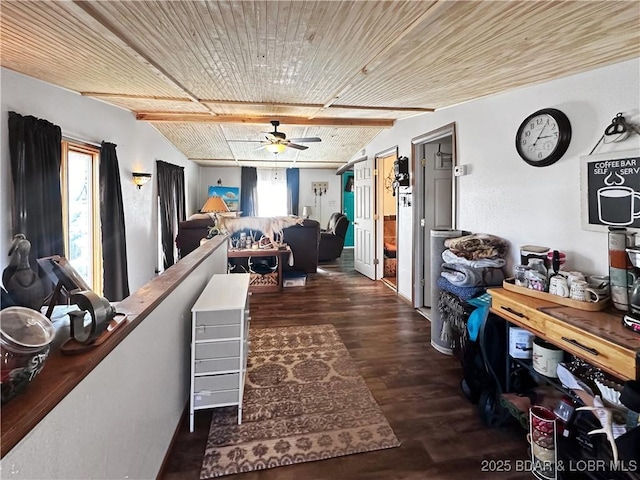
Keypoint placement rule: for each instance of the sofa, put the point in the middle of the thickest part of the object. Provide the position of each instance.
(332, 239)
(303, 240)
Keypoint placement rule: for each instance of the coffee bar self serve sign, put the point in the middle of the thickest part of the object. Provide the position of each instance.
(611, 190)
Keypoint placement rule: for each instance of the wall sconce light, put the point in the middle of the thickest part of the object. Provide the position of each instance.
(306, 211)
(140, 178)
(275, 147)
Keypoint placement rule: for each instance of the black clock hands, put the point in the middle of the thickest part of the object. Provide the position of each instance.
(539, 137)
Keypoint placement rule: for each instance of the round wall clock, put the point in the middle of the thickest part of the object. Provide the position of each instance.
(543, 137)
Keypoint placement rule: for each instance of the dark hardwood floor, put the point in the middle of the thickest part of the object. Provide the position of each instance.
(417, 388)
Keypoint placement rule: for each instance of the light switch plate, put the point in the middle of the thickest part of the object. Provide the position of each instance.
(460, 170)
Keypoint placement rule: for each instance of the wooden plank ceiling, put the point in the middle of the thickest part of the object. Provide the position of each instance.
(209, 75)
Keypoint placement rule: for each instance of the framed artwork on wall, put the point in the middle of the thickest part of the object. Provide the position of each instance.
(610, 190)
(230, 196)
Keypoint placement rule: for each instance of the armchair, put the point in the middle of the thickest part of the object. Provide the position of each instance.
(332, 239)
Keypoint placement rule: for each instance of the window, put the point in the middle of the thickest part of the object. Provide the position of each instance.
(272, 192)
(81, 211)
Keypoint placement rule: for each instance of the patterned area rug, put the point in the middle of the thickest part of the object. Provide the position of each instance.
(304, 401)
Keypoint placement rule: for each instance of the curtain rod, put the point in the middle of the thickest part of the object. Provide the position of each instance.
(80, 140)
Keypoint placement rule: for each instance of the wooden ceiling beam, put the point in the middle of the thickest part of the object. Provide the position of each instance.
(206, 118)
(126, 96)
(317, 105)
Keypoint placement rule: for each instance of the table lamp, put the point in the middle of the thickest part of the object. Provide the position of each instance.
(214, 204)
(306, 211)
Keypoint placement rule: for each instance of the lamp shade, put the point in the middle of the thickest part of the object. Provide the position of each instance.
(275, 147)
(306, 211)
(214, 204)
(140, 178)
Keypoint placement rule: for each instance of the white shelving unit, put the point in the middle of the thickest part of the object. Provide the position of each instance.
(219, 344)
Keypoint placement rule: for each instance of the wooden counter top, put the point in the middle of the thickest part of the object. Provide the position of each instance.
(62, 373)
(596, 337)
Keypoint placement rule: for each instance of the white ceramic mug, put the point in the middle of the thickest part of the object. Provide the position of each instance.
(594, 295)
(581, 292)
(575, 276)
(559, 286)
(599, 281)
(578, 290)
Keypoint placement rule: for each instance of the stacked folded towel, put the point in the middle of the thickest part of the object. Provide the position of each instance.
(474, 260)
(477, 246)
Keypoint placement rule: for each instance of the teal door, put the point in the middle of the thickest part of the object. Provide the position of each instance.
(347, 205)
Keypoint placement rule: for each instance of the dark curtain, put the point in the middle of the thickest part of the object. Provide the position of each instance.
(293, 190)
(172, 206)
(249, 191)
(114, 246)
(35, 149)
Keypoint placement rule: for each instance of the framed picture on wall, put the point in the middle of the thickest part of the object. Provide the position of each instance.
(230, 196)
(610, 190)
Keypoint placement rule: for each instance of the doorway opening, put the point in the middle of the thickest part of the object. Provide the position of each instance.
(386, 214)
(387, 202)
(434, 158)
(348, 205)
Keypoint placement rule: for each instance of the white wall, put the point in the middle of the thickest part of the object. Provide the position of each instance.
(139, 146)
(230, 177)
(322, 207)
(503, 195)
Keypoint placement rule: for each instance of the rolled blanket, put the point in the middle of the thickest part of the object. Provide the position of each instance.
(450, 257)
(478, 245)
(465, 276)
(464, 293)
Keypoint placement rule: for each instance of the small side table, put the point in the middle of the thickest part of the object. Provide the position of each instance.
(263, 283)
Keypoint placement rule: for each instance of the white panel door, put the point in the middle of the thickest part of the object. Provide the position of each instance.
(438, 209)
(364, 227)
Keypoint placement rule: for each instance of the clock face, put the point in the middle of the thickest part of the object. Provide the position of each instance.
(543, 137)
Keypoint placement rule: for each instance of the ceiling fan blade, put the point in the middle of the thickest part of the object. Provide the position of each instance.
(305, 140)
(296, 146)
(269, 136)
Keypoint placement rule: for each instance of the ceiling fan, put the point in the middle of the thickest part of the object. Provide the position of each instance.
(276, 142)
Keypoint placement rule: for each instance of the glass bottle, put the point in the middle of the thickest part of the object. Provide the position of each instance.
(537, 265)
(521, 275)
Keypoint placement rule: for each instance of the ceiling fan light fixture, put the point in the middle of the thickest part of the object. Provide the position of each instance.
(275, 147)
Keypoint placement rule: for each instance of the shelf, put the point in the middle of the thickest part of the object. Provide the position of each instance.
(553, 382)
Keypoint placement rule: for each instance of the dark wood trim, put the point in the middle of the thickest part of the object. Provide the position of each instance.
(61, 373)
